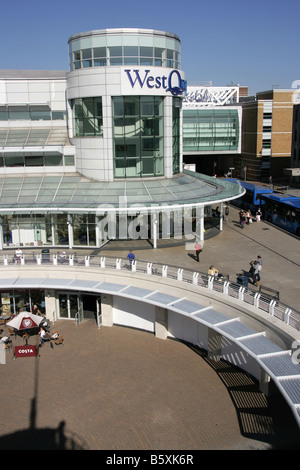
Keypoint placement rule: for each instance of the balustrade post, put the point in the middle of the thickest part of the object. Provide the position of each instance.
(118, 263)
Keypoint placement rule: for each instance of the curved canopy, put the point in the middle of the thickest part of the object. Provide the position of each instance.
(74, 192)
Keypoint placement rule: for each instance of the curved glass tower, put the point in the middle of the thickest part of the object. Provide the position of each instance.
(124, 93)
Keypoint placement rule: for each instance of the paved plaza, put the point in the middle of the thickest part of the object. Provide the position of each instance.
(123, 389)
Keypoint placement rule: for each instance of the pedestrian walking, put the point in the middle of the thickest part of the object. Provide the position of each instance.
(242, 219)
(258, 214)
(198, 249)
(131, 257)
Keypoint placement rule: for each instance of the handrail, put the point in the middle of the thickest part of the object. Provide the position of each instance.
(224, 286)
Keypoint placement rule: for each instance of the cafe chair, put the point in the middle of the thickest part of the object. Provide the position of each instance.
(59, 340)
(11, 332)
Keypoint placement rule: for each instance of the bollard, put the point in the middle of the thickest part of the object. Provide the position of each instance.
(133, 266)
(38, 259)
(87, 261)
(71, 260)
(55, 260)
(102, 262)
(118, 263)
(195, 278)
(179, 274)
(5, 261)
(149, 268)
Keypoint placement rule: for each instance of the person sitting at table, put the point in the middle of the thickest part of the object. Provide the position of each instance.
(35, 310)
(42, 335)
(213, 271)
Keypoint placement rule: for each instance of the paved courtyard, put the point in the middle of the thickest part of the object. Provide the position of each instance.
(122, 389)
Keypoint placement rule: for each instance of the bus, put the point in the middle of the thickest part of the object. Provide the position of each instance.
(282, 210)
(251, 199)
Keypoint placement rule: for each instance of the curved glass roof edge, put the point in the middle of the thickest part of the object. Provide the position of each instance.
(138, 31)
(57, 193)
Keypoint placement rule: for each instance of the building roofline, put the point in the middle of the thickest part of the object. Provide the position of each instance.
(31, 74)
(123, 31)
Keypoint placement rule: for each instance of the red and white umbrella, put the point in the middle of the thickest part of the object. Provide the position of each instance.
(25, 321)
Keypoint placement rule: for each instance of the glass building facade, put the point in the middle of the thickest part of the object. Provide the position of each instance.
(138, 136)
(124, 48)
(210, 130)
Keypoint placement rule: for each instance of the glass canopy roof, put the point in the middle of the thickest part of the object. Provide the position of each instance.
(73, 192)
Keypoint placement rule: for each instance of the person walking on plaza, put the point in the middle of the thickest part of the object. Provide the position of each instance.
(130, 257)
(258, 214)
(198, 249)
(255, 272)
(242, 219)
(18, 255)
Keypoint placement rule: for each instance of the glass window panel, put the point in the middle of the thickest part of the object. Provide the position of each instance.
(146, 51)
(118, 106)
(116, 61)
(99, 62)
(77, 55)
(69, 160)
(114, 40)
(147, 106)
(34, 160)
(131, 106)
(158, 52)
(18, 112)
(42, 115)
(14, 161)
(99, 41)
(115, 51)
(148, 166)
(131, 51)
(3, 113)
(130, 40)
(87, 63)
(59, 115)
(131, 61)
(145, 62)
(100, 52)
(53, 160)
(85, 43)
(86, 53)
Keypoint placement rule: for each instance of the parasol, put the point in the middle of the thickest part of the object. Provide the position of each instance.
(25, 321)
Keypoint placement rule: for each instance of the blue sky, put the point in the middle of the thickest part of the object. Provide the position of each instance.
(253, 43)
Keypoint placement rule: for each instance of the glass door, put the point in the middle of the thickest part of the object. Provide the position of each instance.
(69, 305)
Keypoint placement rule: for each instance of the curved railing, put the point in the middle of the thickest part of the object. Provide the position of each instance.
(224, 286)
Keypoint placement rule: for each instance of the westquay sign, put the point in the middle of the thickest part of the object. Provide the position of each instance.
(146, 81)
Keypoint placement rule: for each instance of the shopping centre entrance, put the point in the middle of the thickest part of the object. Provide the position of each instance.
(79, 306)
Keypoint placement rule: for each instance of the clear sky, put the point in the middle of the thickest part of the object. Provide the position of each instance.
(253, 43)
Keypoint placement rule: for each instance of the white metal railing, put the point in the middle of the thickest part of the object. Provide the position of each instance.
(226, 287)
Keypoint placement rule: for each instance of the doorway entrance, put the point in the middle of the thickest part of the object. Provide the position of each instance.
(80, 306)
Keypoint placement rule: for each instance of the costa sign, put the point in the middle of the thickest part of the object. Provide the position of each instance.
(143, 79)
(25, 351)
